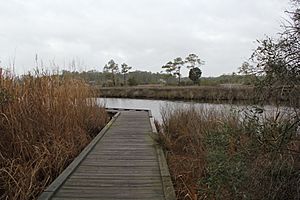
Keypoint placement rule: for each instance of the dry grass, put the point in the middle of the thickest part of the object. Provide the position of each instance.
(45, 121)
(202, 93)
(246, 94)
(215, 155)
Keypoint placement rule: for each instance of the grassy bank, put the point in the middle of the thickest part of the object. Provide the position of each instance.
(202, 93)
(215, 155)
(45, 122)
(226, 93)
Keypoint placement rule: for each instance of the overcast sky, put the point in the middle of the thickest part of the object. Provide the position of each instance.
(143, 33)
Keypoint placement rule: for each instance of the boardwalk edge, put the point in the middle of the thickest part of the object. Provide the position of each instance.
(168, 188)
(55, 185)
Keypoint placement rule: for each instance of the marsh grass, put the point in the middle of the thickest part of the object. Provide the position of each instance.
(200, 93)
(217, 155)
(220, 94)
(45, 121)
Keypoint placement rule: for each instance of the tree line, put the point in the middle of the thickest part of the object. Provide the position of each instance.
(172, 69)
(192, 62)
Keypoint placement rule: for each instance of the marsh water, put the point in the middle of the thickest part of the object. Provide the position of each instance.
(156, 105)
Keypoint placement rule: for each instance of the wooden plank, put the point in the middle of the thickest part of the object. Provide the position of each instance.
(101, 182)
(116, 174)
(107, 198)
(119, 157)
(117, 164)
(99, 191)
(128, 170)
(113, 194)
(121, 187)
(109, 193)
(114, 177)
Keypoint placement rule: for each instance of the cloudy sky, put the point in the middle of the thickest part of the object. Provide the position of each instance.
(143, 33)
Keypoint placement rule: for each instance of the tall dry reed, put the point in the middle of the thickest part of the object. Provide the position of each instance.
(45, 121)
(217, 155)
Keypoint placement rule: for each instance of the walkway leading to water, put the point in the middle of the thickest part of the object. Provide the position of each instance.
(122, 162)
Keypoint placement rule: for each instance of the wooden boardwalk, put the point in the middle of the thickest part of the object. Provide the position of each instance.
(122, 162)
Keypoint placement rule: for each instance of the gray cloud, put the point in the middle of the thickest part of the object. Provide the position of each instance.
(144, 33)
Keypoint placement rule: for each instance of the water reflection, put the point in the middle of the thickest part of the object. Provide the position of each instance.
(156, 105)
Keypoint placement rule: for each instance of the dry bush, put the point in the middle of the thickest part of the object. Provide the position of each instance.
(215, 155)
(183, 139)
(45, 121)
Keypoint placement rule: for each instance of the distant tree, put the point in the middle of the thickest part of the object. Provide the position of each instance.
(193, 63)
(112, 67)
(195, 74)
(178, 63)
(124, 70)
(169, 67)
(174, 68)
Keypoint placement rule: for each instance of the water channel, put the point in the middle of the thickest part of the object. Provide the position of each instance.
(156, 105)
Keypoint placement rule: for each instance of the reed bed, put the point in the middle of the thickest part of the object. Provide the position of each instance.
(200, 93)
(283, 95)
(45, 122)
(217, 155)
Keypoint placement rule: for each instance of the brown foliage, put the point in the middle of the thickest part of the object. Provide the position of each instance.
(45, 122)
(216, 155)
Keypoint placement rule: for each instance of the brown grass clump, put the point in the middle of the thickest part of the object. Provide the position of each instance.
(215, 155)
(45, 121)
(184, 131)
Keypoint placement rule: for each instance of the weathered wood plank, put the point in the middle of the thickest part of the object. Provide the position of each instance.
(122, 177)
(106, 191)
(118, 157)
(116, 174)
(112, 195)
(106, 198)
(97, 182)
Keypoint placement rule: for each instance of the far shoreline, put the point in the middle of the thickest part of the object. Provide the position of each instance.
(230, 94)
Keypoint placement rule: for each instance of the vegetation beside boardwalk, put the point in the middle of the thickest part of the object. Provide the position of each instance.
(45, 122)
(215, 155)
